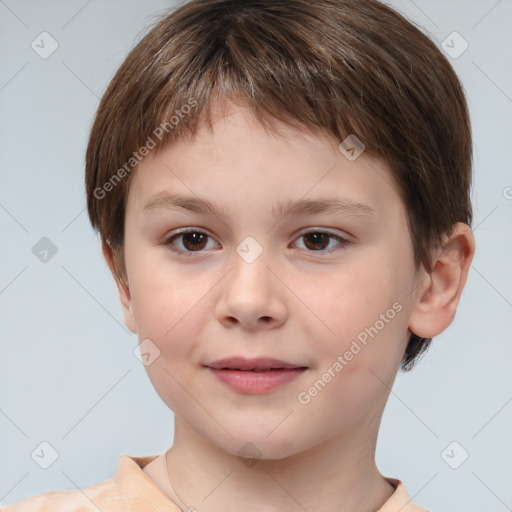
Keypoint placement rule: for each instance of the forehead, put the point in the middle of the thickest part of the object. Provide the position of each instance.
(237, 162)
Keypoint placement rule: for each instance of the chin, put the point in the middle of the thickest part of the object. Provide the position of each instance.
(253, 446)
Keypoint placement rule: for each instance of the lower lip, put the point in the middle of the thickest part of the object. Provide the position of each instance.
(247, 381)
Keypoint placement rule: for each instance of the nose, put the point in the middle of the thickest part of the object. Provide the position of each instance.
(251, 296)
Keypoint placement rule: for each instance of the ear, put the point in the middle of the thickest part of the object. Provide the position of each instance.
(437, 296)
(122, 285)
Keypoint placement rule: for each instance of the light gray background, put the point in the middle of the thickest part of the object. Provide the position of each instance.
(67, 369)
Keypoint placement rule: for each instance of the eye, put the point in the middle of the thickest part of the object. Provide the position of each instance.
(193, 240)
(318, 241)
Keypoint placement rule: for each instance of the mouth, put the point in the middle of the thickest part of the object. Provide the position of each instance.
(254, 365)
(255, 376)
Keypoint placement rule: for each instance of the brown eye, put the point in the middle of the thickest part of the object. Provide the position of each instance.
(318, 241)
(194, 241)
(191, 241)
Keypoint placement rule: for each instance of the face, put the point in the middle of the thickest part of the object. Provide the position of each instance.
(324, 289)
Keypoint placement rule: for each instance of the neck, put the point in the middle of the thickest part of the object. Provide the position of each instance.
(339, 475)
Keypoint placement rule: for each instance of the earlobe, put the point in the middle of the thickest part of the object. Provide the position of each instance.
(122, 286)
(437, 295)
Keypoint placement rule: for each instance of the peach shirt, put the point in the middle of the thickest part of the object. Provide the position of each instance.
(132, 489)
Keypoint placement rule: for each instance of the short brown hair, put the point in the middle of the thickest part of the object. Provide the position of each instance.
(338, 67)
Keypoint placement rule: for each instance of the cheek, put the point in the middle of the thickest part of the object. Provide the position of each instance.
(357, 364)
(166, 311)
(161, 293)
(361, 310)
(171, 308)
(169, 312)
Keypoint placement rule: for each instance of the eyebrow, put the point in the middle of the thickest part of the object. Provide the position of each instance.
(302, 206)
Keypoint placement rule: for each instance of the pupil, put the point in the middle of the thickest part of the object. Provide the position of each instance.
(317, 239)
(194, 238)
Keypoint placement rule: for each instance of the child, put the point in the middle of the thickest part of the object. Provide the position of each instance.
(282, 193)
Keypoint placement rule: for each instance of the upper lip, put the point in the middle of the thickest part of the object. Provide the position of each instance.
(241, 363)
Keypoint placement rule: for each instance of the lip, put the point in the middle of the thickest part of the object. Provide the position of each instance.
(255, 376)
(260, 363)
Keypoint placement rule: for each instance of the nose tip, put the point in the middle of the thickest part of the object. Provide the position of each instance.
(251, 294)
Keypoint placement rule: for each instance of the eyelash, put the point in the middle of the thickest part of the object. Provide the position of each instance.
(343, 242)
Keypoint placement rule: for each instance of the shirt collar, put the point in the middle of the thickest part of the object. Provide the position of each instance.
(140, 492)
(399, 501)
(137, 489)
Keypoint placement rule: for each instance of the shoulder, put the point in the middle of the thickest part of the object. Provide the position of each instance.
(88, 499)
(129, 489)
(109, 495)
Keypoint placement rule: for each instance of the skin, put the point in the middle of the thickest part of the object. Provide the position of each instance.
(295, 302)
